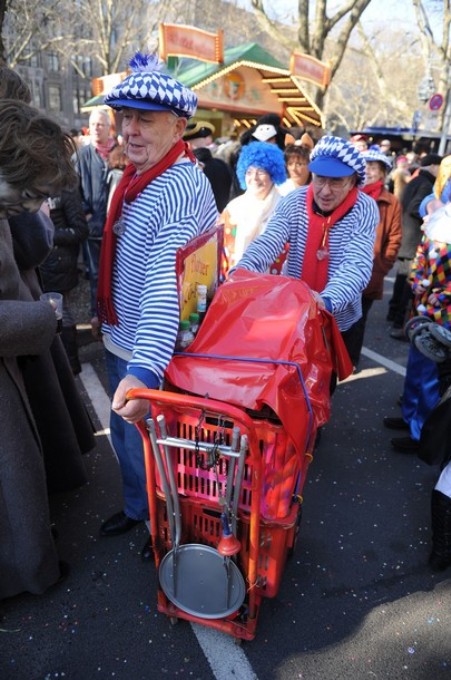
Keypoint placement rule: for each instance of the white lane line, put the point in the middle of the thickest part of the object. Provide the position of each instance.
(226, 659)
(383, 361)
(224, 656)
(99, 398)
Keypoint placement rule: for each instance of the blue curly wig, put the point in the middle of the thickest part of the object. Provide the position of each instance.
(261, 155)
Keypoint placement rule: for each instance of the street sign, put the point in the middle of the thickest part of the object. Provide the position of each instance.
(436, 102)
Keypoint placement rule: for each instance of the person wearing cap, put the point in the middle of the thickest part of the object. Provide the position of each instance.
(199, 137)
(261, 167)
(360, 142)
(388, 239)
(218, 173)
(330, 226)
(417, 189)
(162, 202)
(199, 134)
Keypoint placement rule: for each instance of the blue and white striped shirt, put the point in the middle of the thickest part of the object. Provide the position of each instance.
(351, 243)
(173, 209)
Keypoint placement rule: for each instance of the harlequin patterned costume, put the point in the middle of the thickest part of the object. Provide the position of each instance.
(433, 262)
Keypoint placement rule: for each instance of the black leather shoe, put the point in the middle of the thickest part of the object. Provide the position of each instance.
(118, 524)
(147, 551)
(405, 444)
(395, 423)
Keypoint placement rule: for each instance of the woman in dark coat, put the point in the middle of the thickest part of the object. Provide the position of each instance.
(35, 162)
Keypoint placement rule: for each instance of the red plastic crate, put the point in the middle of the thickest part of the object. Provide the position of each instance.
(201, 524)
(283, 475)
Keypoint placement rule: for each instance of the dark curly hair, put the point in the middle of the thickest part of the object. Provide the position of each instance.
(12, 86)
(34, 151)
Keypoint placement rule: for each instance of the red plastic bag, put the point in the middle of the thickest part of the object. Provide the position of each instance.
(264, 342)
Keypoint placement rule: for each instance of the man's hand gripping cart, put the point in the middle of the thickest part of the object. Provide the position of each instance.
(225, 480)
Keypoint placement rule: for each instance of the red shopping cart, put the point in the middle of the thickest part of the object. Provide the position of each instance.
(228, 446)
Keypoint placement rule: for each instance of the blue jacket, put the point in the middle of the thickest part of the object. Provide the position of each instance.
(93, 171)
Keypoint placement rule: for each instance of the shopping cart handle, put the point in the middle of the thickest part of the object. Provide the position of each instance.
(191, 401)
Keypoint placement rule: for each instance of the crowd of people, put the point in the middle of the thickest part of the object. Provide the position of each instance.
(337, 213)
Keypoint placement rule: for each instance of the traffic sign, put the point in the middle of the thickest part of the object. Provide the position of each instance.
(436, 102)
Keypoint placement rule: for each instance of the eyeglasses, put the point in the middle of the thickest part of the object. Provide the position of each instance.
(334, 183)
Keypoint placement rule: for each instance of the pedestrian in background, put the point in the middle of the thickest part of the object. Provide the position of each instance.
(260, 169)
(59, 271)
(91, 163)
(388, 238)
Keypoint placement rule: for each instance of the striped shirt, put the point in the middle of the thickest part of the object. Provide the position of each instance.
(351, 243)
(173, 209)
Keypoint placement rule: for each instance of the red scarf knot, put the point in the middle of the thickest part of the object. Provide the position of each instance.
(129, 187)
(315, 267)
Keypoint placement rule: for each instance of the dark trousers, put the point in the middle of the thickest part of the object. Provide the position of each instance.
(400, 303)
(353, 337)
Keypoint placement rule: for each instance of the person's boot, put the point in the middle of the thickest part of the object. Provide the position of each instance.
(69, 338)
(440, 557)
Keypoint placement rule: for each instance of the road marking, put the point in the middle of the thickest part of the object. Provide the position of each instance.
(226, 658)
(99, 398)
(383, 361)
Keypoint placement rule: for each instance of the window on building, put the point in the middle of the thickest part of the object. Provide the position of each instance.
(55, 98)
(53, 61)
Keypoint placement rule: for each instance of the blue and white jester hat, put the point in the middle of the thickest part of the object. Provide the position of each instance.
(374, 156)
(149, 89)
(336, 157)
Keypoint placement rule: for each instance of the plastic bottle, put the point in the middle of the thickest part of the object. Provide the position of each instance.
(184, 336)
(201, 301)
(194, 321)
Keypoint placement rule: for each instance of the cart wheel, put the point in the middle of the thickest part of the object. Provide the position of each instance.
(173, 620)
(443, 335)
(415, 323)
(427, 345)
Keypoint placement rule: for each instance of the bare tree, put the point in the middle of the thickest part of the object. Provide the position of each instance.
(28, 27)
(325, 36)
(110, 31)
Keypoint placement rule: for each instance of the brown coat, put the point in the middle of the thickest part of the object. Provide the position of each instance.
(28, 558)
(386, 246)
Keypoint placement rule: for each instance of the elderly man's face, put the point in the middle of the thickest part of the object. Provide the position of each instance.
(149, 135)
(99, 128)
(330, 192)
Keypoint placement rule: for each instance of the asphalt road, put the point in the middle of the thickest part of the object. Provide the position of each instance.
(356, 600)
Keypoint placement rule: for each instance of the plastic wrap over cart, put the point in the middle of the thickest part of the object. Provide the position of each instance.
(228, 446)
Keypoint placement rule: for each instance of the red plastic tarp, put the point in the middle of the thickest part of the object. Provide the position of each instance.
(254, 321)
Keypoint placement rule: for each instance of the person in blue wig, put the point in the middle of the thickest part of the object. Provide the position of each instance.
(260, 169)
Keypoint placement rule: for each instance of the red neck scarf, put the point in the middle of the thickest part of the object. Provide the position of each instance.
(374, 189)
(129, 187)
(104, 149)
(315, 267)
